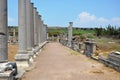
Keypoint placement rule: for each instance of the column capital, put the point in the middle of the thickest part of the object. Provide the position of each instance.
(71, 23)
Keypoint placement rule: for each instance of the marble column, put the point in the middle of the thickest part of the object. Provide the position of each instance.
(42, 31)
(35, 28)
(70, 34)
(30, 29)
(45, 32)
(7, 70)
(39, 29)
(3, 31)
(28, 24)
(22, 58)
(32, 24)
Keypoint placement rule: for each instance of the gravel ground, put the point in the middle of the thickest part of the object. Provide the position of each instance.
(57, 62)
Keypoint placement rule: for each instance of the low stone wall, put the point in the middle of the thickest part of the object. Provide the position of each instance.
(112, 61)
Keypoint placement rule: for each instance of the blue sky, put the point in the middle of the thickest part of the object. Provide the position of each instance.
(84, 13)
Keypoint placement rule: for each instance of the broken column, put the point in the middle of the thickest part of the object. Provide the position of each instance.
(90, 48)
(7, 70)
(14, 35)
(70, 34)
(22, 58)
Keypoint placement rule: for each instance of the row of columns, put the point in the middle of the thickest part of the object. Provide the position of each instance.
(31, 33)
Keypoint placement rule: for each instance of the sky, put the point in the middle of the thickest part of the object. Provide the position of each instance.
(83, 13)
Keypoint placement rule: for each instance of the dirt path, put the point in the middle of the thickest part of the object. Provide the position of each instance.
(56, 63)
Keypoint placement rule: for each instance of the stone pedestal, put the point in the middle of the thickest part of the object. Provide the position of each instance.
(90, 48)
(22, 60)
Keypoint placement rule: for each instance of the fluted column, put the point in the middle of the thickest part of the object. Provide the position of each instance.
(3, 31)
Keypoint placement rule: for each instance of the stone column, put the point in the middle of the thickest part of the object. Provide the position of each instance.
(70, 34)
(39, 29)
(35, 28)
(14, 35)
(45, 32)
(3, 31)
(22, 58)
(42, 31)
(30, 29)
(32, 24)
(5, 74)
(28, 24)
(47, 36)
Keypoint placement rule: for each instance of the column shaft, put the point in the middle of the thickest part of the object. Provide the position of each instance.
(32, 24)
(39, 28)
(70, 34)
(35, 28)
(3, 31)
(22, 26)
(28, 24)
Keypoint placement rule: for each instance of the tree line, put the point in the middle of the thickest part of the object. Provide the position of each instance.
(109, 31)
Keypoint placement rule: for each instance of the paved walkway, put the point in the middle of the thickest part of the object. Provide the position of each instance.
(57, 62)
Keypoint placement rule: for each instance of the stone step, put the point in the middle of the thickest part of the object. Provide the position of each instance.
(20, 74)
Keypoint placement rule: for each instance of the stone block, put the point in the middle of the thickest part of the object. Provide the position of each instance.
(22, 60)
(20, 74)
(7, 75)
(115, 56)
(90, 48)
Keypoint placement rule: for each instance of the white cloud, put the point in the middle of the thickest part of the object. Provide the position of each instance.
(103, 20)
(115, 21)
(86, 19)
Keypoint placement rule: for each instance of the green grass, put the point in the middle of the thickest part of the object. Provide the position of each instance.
(78, 31)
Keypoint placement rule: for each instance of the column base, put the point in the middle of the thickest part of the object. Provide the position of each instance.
(22, 60)
(31, 54)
